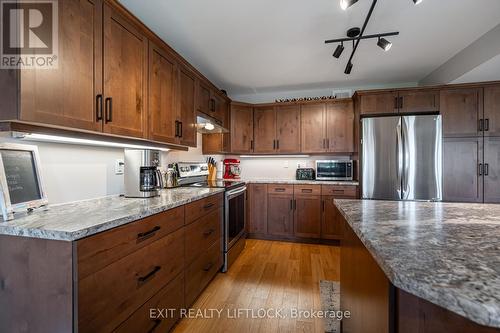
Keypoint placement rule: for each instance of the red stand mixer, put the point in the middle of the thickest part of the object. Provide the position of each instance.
(232, 168)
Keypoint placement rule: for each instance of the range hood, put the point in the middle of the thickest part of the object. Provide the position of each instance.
(208, 125)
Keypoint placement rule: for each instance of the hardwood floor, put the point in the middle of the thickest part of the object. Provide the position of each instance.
(268, 275)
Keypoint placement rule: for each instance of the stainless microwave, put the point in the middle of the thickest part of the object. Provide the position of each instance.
(334, 170)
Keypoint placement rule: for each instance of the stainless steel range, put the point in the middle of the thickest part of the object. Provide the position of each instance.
(233, 226)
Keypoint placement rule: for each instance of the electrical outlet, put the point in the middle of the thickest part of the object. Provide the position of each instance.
(285, 164)
(298, 165)
(119, 167)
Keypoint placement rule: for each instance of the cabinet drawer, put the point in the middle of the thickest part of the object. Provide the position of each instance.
(340, 191)
(107, 297)
(199, 208)
(98, 251)
(281, 189)
(202, 234)
(307, 189)
(170, 297)
(201, 271)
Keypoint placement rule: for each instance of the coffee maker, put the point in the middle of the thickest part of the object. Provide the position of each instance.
(142, 175)
(232, 168)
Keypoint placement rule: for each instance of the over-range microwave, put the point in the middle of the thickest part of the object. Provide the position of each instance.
(334, 170)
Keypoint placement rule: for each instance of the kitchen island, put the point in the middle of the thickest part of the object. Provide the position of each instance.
(420, 266)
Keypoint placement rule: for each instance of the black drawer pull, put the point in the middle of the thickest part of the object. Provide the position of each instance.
(208, 266)
(279, 189)
(147, 234)
(486, 125)
(486, 169)
(98, 107)
(209, 205)
(157, 323)
(209, 232)
(109, 110)
(148, 276)
(338, 191)
(307, 190)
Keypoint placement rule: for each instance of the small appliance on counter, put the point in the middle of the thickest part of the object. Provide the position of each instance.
(305, 174)
(232, 168)
(334, 170)
(143, 178)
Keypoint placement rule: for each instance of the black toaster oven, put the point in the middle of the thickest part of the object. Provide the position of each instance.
(305, 174)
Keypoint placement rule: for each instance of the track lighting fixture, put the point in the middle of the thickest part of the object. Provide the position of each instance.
(384, 44)
(416, 2)
(344, 4)
(348, 68)
(339, 50)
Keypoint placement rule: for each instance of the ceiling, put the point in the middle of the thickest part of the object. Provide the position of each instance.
(262, 46)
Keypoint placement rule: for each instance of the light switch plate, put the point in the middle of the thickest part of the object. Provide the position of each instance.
(119, 167)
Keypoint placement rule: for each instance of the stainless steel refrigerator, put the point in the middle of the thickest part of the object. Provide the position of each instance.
(402, 158)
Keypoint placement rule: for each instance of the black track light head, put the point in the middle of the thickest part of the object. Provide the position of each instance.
(384, 44)
(338, 51)
(344, 4)
(416, 2)
(348, 68)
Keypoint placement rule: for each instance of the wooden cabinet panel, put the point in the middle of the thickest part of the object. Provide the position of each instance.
(109, 296)
(186, 97)
(221, 109)
(461, 110)
(280, 189)
(332, 223)
(164, 112)
(280, 217)
(340, 191)
(492, 170)
(461, 179)
(125, 76)
(201, 234)
(307, 189)
(288, 129)
(199, 208)
(419, 101)
(379, 103)
(492, 110)
(67, 96)
(312, 128)
(170, 297)
(340, 127)
(307, 216)
(264, 129)
(257, 208)
(241, 129)
(204, 99)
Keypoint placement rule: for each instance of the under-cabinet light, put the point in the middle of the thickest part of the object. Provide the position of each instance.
(274, 156)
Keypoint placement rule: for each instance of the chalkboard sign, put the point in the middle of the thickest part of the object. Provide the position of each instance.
(20, 172)
(21, 187)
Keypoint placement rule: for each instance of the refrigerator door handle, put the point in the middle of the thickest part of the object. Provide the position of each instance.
(399, 152)
(406, 162)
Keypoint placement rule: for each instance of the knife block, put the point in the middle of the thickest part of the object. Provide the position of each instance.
(212, 172)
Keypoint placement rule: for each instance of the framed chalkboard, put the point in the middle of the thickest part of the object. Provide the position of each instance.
(21, 188)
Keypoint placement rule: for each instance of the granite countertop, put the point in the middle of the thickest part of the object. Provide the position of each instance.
(299, 182)
(446, 253)
(80, 219)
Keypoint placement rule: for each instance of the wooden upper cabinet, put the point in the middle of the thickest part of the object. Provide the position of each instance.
(288, 129)
(264, 129)
(125, 76)
(379, 103)
(340, 127)
(419, 101)
(203, 98)
(68, 96)
(221, 109)
(492, 111)
(164, 112)
(461, 110)
(241, 129)
(312, 128)
(186, 97)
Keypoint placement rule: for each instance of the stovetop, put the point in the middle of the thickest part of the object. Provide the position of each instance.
(218, 184)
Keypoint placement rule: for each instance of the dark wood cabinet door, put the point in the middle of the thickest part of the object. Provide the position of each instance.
(264, 129)
(379, 103)
(340, 127)
(492, 170)
(241, 129)
(280, 215)
(307, 216)
(203, 98)
(288, 129)
(221, 109)
(492, 111)
(461, 110)
(462, 181)
(332, 222)
(312, 128)
(125, 76)
(257, 209)
(164, 112)
(419, 101)
(67, 96)
(186, 96)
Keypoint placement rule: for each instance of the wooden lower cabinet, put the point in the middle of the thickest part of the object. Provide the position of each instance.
(332, 226)
(280, 214)
(257, 209)
(491, 171)
(307, 216)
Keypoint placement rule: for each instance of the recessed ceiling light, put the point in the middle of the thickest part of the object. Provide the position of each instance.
(384, 44)
(344, 4)
(209, 127)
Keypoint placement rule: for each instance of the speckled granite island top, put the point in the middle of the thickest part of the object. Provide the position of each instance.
(445, 253)
(80, 219)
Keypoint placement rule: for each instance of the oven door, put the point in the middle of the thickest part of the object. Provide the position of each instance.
(234, 223)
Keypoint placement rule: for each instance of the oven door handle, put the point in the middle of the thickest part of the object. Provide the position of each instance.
(233, 193)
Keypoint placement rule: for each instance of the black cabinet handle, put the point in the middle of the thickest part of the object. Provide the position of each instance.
(480, 169)
(180, 129)
(486, 125)
(328, 143)
(277, 144)
(147, 234)
(294, 204)
(307, 190)
(176, 129)
(208, 266)
(251, 144)
(481, 125)
(109, 110)
(291, 204)
(98, 107)
(396, 102)
(148, 276)
(274, 144)
(486, 169)
(323, 205)
(279, 189)
(401, 102)
(207, 206)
